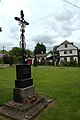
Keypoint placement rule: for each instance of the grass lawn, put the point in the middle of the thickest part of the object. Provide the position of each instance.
(60, 84)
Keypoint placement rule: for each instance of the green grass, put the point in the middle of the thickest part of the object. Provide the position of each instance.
(60, 84)
(7, 78)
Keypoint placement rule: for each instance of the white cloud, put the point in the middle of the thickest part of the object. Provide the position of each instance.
(13, 7)
(51, 22)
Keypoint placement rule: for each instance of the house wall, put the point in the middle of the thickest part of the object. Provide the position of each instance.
(69, 48)
(74, 52)
(68, 59)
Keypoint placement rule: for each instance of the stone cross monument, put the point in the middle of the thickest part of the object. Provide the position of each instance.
(26, 104)
(24, 87)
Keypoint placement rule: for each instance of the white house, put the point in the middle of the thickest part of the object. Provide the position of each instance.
(44, 58)
(67, 51)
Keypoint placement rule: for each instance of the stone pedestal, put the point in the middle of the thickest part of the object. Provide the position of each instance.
(21, 94)
(26, 104)
(24, 87)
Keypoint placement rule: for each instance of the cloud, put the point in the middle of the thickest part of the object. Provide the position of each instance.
(13, 7)
(45, 38)
(77, 44)
(7, 45)
(51, 22)
(66, 15)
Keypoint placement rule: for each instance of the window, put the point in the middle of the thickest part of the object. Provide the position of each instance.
(70, 51)
(65, 52)
(66, 46)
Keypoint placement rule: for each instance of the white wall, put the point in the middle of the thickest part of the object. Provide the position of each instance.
(69, 46)
(68, 59)
(74, 52)
(62, 48)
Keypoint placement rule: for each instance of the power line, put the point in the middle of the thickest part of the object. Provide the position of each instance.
(71, 4)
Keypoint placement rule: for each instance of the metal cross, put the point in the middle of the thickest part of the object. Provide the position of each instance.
(22, 23)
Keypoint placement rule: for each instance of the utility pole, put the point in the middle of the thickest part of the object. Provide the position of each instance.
(3, 50)
(3, 56)
(22, 23)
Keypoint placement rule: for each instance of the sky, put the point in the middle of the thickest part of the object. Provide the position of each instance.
(51, 22)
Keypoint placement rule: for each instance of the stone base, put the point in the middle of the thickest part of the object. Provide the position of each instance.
(26, 111)
(21, 94)
(23, 83)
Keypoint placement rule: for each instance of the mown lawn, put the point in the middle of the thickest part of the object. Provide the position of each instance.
(60, 84)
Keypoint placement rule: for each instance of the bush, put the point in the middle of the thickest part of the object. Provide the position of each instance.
(72, 63)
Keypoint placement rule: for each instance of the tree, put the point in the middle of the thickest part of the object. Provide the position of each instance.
(28, 52)
(15, 51)
(5, 52)
(6, 59)
(15, 54)
(40, 48)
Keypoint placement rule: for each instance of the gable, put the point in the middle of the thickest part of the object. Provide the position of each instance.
(68, 47)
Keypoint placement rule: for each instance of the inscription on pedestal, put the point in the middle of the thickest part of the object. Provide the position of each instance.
(23, 71)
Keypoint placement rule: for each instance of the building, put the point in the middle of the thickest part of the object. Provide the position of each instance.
(66, 51)
(79, 56)
(44, 59)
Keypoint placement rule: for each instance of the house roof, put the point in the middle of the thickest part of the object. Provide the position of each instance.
(41, 55)
(67, 42)
(55, 48)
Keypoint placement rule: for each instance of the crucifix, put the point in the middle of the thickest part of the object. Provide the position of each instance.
(22, 23)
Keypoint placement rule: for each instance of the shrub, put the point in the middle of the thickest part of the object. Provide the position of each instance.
(72, 63)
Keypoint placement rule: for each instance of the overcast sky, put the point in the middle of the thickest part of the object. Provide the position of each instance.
(50, 22)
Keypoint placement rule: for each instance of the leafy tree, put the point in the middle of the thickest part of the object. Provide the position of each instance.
(15, 54)
(39, 48)
(6, 59)
(5, 52)
(15, 51)
(28, 52)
